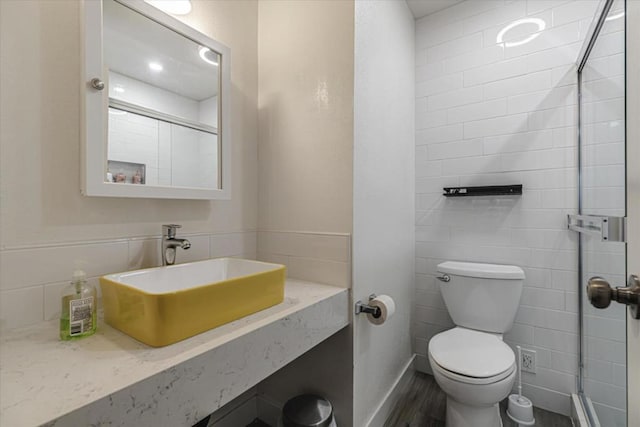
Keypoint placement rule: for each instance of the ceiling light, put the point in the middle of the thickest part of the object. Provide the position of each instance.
(616, 16)
(539, 22)
(208, 55)
(154, 66)
(174, 7)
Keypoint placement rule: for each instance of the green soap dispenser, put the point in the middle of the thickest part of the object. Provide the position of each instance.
(79, 308)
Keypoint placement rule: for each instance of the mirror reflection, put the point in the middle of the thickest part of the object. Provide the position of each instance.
(163, 104)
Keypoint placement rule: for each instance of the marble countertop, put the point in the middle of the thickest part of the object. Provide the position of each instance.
(43, 379)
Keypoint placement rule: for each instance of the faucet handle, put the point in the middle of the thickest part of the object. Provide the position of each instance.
(169, 230)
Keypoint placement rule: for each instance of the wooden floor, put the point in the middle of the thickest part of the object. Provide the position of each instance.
(423, 404)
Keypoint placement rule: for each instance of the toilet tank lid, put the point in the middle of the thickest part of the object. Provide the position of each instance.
(485, 271)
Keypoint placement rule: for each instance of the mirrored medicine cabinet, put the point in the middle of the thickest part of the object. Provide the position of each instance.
(156, 105)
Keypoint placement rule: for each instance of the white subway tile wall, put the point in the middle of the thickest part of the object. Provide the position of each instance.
(172, 154)
(317, 257)
(32, 277)
(488, 113)
(603, 193)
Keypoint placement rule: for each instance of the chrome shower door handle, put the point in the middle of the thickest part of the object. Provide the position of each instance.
(601, 294)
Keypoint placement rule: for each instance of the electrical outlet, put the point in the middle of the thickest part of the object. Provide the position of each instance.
(528, 361)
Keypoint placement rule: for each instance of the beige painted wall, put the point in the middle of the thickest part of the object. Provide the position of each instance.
(305, 115)
(40, 201)
(305, 174)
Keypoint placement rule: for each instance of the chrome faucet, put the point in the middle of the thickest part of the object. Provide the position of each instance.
(170, 243)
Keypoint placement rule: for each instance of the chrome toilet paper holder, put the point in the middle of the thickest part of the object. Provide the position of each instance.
(365, 308)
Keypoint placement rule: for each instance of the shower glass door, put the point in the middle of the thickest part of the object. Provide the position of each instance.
(603, 372)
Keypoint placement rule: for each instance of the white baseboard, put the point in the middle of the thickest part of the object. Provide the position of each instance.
(391, 398)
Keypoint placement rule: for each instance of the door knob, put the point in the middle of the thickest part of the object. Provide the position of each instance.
(97, 84)
(601, 294)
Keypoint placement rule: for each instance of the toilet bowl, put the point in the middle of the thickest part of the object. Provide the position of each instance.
(476, 370)
(471, 363)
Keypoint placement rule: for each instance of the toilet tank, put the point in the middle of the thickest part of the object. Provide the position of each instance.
(483, 297)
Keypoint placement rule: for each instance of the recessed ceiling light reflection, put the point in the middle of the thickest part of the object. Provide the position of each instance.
(614, 17)
(208, 55)
(154, 66)
(118, 89)
(174, 7)
(536, 21)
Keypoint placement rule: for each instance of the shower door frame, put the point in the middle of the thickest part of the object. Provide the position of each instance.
(632, 72)
(632, 209)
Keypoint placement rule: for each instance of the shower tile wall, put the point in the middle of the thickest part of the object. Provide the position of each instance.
(603, 193)
(491, 113)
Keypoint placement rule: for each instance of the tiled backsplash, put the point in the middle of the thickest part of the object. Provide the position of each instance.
(318, 257)
(488, 113)
(32, 277)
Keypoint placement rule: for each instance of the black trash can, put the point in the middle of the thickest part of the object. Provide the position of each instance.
(307, 410)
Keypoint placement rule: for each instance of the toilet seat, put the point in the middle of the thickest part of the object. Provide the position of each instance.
(471, 357)
(472, 380)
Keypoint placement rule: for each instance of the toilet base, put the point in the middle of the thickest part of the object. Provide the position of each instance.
(461, 415)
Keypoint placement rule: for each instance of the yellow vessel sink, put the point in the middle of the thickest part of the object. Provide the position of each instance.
(164, 305)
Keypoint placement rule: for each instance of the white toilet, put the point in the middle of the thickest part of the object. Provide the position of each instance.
(470, 362)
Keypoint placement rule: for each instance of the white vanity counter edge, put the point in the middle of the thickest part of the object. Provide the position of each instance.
(112, 379)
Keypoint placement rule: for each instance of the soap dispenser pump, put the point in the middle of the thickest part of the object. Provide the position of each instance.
(79, 308)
